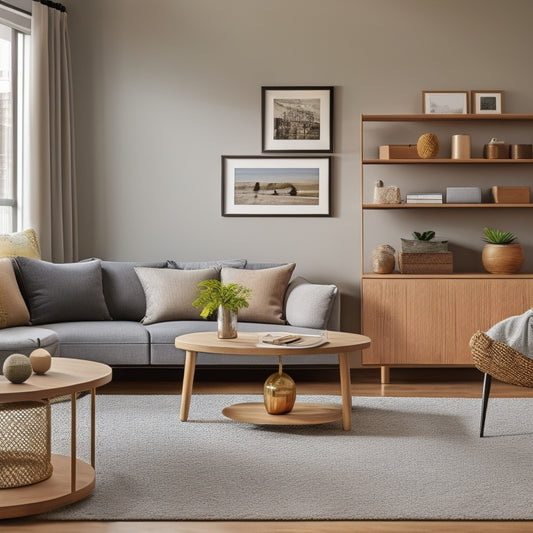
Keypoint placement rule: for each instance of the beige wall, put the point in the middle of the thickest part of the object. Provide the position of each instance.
(163, 88)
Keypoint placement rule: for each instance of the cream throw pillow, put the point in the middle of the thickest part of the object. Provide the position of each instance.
(21, 244)
(170, 293)
(13, 310)
(268, 287)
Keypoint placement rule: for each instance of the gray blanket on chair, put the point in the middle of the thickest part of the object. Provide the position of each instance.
(516, 332)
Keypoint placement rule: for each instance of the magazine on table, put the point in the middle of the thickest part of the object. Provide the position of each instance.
(292, 340)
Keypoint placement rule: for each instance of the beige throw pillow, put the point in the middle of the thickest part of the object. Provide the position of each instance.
(268, 287)
(21, 244)
(13, 310)
(170, 293)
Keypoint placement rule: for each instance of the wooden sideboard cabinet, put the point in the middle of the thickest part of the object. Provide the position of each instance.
(429, 320)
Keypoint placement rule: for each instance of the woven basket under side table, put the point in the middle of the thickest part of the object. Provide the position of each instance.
(25, 456)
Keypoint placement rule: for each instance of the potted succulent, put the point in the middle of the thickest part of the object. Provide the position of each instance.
(501, 254)
(225, 300)
(422, 243)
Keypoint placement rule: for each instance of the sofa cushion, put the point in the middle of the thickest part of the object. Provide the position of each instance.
(23, 243)
(123, 292)
(25, 339)
(309, 304)
(62, 292)
(13, 310)
(114, 342)
(169, 292)
(268, 288)
(197, 265)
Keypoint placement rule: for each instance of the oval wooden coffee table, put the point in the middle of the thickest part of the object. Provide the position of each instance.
(247, 344)
(72, 479)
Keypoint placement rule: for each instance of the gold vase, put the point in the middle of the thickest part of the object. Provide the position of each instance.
(226, 323)
(279, 391)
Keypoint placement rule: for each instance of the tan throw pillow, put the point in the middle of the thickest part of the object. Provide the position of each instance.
(13, 310)
(268, 287)
(170, 293)
(21, 244)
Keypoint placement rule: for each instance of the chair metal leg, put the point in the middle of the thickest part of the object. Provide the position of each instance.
(486, 391)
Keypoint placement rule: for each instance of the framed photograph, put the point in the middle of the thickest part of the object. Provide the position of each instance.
(487, 102)
(276, 186)
(297, 119)
(445, 102)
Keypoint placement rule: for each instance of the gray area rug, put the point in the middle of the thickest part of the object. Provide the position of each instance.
(405, 458)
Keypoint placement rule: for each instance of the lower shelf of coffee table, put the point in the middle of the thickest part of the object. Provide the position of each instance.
(51, 493)
(301, 414)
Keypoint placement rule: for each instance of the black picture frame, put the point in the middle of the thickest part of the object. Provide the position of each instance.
(276, 186)
(297, 119)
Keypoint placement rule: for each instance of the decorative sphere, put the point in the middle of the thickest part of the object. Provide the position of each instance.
(428, 146)
(17, 368)
(40, 360)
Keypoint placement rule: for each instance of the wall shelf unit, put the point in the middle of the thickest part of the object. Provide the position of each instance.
(428, 319)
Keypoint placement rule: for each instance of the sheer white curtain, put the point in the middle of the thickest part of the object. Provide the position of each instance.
(52, 191)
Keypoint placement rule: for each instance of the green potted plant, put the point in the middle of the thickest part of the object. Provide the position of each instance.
(422, 243)
(225, 300)
(501, 253)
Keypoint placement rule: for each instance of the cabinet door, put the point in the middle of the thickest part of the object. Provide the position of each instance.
(431, 321)
(410, 321)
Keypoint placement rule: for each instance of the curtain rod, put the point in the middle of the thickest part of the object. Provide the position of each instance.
(54, 5)
(15, 8)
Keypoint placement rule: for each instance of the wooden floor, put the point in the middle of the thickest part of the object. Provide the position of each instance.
(461, 383)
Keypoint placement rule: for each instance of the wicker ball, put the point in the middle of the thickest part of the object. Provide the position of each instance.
(428, 146)
(17, 368)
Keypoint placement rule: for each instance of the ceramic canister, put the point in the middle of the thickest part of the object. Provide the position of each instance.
(461, 146)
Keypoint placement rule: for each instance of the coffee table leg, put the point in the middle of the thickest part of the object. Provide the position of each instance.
(188, 379)
(344, 370)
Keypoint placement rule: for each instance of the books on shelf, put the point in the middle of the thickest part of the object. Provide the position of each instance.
(425, 198)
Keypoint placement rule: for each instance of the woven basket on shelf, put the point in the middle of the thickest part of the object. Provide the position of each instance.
(501, 361)
(24, 443)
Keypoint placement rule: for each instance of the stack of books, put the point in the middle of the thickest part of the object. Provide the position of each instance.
(425, 198)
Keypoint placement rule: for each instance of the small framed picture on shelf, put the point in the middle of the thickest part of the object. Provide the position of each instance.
(445, 102)
(487, 102)
(276, 186)
(297, 119)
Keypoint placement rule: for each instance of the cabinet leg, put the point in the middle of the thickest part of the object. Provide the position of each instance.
(385, 375)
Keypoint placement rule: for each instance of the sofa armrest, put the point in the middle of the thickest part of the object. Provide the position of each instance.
(312, 305)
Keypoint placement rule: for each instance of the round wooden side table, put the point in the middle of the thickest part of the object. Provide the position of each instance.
(72, 479)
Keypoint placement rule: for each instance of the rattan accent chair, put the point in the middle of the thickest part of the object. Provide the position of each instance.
(497, 359)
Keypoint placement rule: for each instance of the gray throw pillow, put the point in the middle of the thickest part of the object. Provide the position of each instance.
(170, 293)
(197, 265)
(309, 304)
(123, 291)
(62, 292)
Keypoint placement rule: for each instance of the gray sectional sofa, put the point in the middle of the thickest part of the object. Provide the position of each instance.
(127, 314)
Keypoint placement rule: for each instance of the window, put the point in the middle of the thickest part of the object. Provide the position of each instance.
(14, 134)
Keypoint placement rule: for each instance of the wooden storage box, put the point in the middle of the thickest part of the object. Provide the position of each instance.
(496, 151)
(510, 195)
(425, 263)
(398, 151)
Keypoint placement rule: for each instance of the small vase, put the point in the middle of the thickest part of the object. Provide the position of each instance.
(383, 261)
(227, 323)
(279, 392)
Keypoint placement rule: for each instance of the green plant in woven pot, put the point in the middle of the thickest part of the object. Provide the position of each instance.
(501, 253)
(225, 301)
